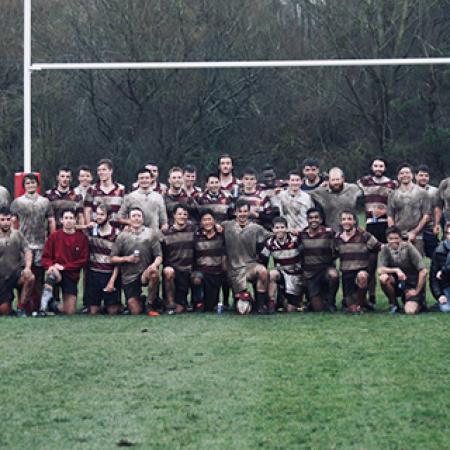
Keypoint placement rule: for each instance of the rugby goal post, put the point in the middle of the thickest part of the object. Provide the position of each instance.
(29, 68)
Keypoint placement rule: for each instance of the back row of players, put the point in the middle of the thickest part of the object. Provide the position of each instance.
(218, 238)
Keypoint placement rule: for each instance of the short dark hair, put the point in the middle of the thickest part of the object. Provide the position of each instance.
(179, 206)
(135, 208)
(205, 212)
(189, 168)
(65, 210)
(405, 165)
(279, 219)
(85, 168)
(310, 162)
(5, 211)
(151, 163)
(143, 170)
(393, 230)
(106, 208)
(31, 177)
(222, 156)
(379, 158)
(64, 169)
(249, 171)
(241, 202)
(313, 210)
(267, 167)
(349, 212)
(294, 172)
(106, 162)
(212, 175)
(423, 168)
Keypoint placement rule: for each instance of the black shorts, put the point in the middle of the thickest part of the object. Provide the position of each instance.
(430, 242)
(182, 286)
(317, 285)
(401, 288)
(94, 293)
(378, 229)
(68, 285)
(349, 286)
(8, 285)
(211, 285)
(133, 289)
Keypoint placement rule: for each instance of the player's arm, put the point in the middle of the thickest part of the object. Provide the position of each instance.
(421, 280)
(112, 280)
(437, 220)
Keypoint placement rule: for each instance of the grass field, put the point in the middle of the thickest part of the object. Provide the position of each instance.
(207, 381)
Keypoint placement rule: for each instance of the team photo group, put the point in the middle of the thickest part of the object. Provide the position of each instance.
(253, 244)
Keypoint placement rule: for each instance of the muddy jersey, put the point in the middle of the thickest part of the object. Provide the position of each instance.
(5, 198)
(286, 255)
(407, 207)
(272, 192)
(182, 197)
(293, 208)
(433, 193)
(13, 246)
(376, 193)
(258, 203)
(219, 204)
(146, 241)
(33, 213)
(208, 252)
(444, 197)
(113, 198)
(61, 200)
(407, 258)
(152, 205)
(333, 203)
(242, 244)
(80, 190)
(100, 247)
(178, 247)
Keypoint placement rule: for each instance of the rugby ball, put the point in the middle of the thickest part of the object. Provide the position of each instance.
(243, 307)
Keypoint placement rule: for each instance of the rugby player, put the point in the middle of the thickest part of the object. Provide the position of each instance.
(209, 263)
(34, 215)
(12, 273)
(102, 275)
(178, 251)
(440, 272)
(218, 200)
(227, 180)
(402, 273)
(149, 201)
(318, 254)
(189, 180)
(243, 241)
(65, 253)
(137, 250)
(336, 197)
(409, 208)
(312, 178)
(284, 248)
(353, 246)
(104, 191)
(85, 178)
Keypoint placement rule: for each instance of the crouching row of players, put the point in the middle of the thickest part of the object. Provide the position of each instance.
(214, 257)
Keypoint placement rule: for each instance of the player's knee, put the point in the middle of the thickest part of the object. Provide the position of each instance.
(362, 278)
(384, 279)
(169, 273)
(29, 278)
(332, 275)
(5, 309)
(262, 274)
(274, 275)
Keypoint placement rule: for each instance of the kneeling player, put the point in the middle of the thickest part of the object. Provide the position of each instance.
(178, 249)
(12, 245)
(138, 251)
(402, 273)
(284, 248)
(318, 254)
(101, 275)
(354, 247)
(209, 263)
(243, 242)
(65, 253)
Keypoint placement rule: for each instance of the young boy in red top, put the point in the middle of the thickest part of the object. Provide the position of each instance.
(65, 253)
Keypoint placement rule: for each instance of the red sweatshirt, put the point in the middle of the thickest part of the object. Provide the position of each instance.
(69, 250)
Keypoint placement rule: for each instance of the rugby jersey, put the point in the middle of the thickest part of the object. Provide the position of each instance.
(61, 200)
(209, 252)
(354, 253)
(258, 203)
(219, 204)
(286, 255)
(100, 247)
(183, 198)
(178, 247)
(318, 251)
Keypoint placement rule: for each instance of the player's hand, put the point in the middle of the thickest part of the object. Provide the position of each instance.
(58, 266)
(91, 225)
(437, 229)
(219, 228)
(152, 268)
(27, 272)
(401, 275)
(410, 293)
(296, 231)
(109, 288)
(165, 227)
(411, 236)
(442, 299)
(439, 275)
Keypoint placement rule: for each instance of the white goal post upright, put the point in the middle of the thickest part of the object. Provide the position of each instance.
(29, 68)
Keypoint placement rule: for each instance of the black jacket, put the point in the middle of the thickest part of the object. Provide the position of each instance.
(438, 263)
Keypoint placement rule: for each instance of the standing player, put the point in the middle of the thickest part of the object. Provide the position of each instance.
(178, 251)
(285, 250)
(101, 276)
(65, 253)
(214, 198)
(443, 207)
(209, 263)
(5, 198)
(294, 203)
(409, 208)
(227, 180)
(190, 178)
(63, 197)
(376, 188)
(13, 247)
(337, 197)
(270, 186)
(430, 240)
(138, 252)
(402, 273)
(156, 185)
(243, 242)
(104, 191)
(85, 178)
(312, 177)
(150, 202)
(176, 195)
(353, 247)
(36, 220)
(318, 254)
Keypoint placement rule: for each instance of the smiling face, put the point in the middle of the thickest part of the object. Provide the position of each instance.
(378, 168)
(295, 182)
(393, 240)
(85, 178)
(144, 180)
(104, 173)
(242, 214)
(213, 185)
(249, 182)
(180, 217)
(30, 186)
(311, 173)
(207, 222)
(314, 220)
(136, 218)
(189, 179)
(405, 176)
(422, 178)
(176, 179)
(279, 230)
(68, 221)
(5, 222)
(348, 222)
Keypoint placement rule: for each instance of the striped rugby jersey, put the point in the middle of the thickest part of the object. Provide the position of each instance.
(100, 247)
(61, 200)
(286, 255)
(178, 248)
(219, 204)
(209, 252)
